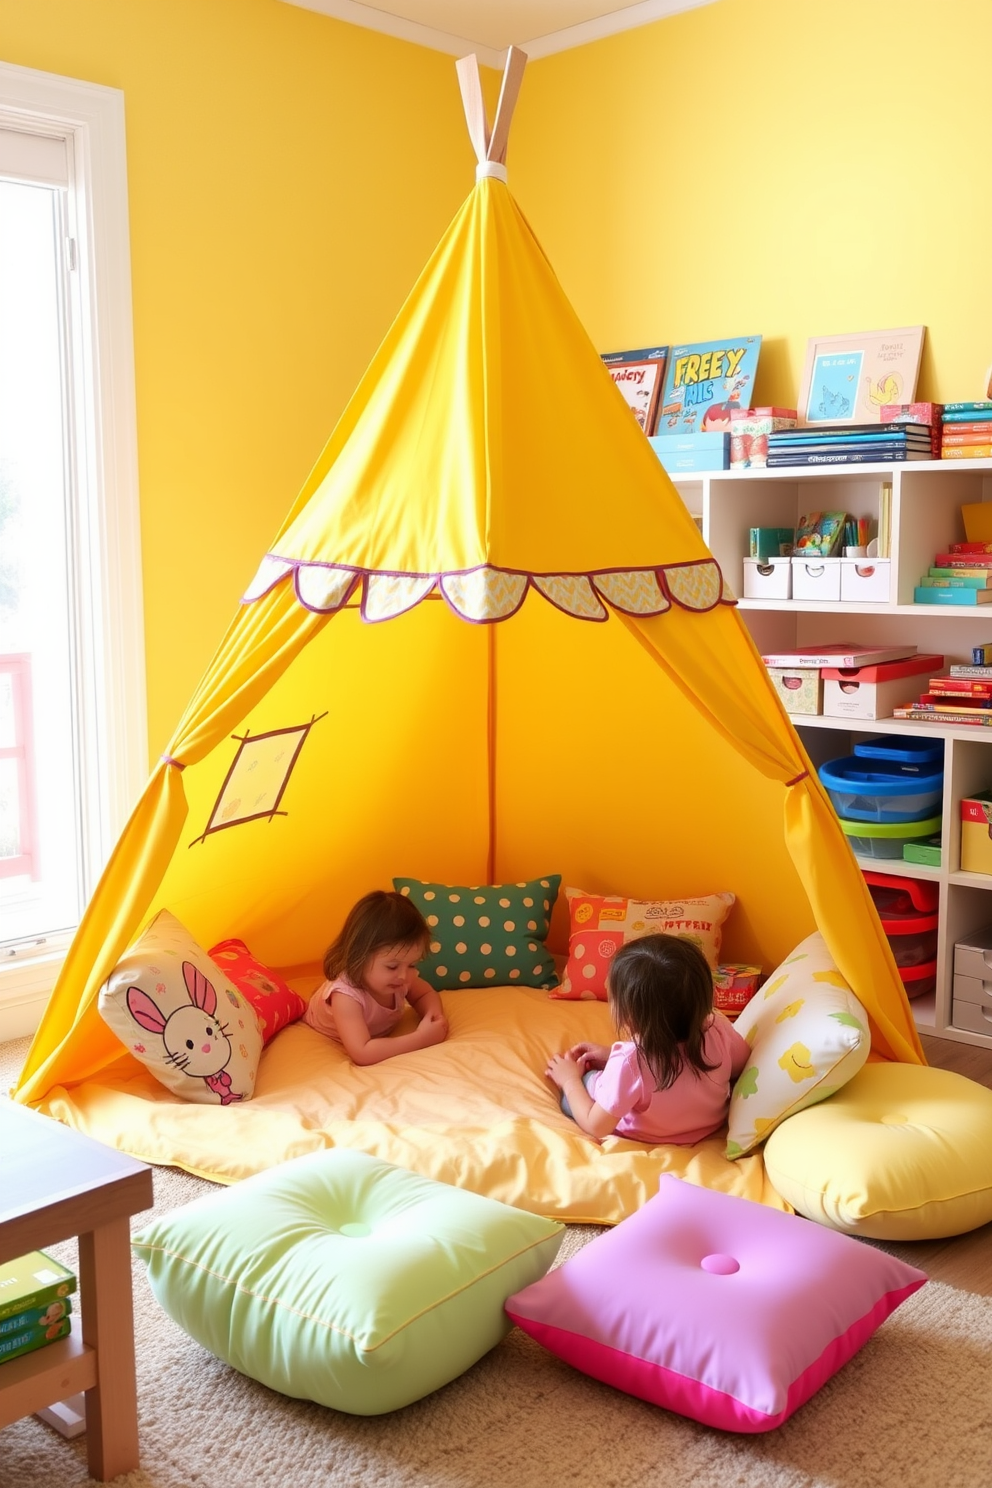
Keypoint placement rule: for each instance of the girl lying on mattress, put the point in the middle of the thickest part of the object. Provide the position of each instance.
(371, 972)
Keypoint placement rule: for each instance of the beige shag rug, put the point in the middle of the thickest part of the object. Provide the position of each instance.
(912, 1410)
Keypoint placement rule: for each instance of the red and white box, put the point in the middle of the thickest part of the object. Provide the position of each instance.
(734, 984)
(873, 691)
(749, 431)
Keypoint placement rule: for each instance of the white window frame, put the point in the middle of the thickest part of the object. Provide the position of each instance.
(111, 657)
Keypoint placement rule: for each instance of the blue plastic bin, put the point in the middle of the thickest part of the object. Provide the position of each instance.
(922, 756)
(861, 793)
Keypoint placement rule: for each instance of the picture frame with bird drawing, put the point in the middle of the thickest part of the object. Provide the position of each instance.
(848, 379)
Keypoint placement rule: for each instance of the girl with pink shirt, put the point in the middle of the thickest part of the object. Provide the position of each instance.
(371, 972)
(669, 1077)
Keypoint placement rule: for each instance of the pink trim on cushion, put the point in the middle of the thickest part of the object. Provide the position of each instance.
(687, 1397)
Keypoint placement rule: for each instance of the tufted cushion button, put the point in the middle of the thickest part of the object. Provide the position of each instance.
(720, 1265)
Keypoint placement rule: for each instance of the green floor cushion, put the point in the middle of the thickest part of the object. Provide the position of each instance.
(903, 1152)
(345, 1280)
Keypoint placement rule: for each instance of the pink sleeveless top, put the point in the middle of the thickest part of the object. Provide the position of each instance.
(379, 1020)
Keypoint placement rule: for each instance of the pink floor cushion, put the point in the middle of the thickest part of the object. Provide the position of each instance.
(715, 1307)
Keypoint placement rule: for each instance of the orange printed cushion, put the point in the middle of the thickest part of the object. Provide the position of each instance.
(600, 923)
(274, 1001)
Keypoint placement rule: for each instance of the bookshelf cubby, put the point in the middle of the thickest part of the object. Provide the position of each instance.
(926, 500)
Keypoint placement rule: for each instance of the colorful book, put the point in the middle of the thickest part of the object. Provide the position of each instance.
(967, 686)
(982, 405)
(957, 563)
(969, 547)
(966, 451)
(959, 669)
(32, 1280)
(951, 596)
(819, 533)
(823, 433)
(968, 415)
(952, 702)
(958, 430)
(967, 435)
(705, 382)
(640, 376)
(982, 655)
(926, 715)
(844, 654)
(37, 1317)
(963, 580)
(28, 1339)
(849, 457)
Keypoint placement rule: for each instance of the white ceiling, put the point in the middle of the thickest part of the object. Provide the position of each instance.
(488, 27)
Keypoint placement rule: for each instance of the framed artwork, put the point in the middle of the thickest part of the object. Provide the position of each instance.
(847, 379)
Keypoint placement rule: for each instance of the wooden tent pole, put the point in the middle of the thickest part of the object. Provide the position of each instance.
(490, 145)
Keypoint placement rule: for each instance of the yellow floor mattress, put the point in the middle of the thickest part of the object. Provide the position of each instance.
(475, 1111)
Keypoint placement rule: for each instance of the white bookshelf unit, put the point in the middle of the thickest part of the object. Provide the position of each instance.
(927, 496)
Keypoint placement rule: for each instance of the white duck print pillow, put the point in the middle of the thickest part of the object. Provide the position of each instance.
(176, 1012)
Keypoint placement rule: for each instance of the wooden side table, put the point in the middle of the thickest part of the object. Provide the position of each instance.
(55, 1183)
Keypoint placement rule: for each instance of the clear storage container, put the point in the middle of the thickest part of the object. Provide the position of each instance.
(860, 792)
(886, 839)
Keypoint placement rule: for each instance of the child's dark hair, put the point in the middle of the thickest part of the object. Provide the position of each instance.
(661, 994)
(379, 920)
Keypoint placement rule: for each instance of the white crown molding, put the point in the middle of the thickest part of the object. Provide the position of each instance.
(372, 18)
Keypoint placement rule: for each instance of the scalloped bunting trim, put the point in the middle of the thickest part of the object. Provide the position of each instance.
(635, 593)
(572, 593)
(389, 595)
(269, 572)
(484, 593)
(695, 586)
(324, 589)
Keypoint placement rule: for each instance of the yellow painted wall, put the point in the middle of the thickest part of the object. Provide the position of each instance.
(772, 166)
(288, 176)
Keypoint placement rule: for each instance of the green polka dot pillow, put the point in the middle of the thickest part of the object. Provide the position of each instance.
(486, 935)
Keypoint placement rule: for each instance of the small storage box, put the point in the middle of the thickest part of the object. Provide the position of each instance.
(816, 578)
(865, 579)
(873, 691)
(927, 854)
(800, 688)
(971, 1001)
(886, 839)
(734, 984)
(880, 795)
(976, 834)
(767, 578)
(973, 957)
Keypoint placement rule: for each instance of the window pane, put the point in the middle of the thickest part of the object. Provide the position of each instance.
(36, 703)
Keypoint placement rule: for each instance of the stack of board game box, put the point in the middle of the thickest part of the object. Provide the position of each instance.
(961, 576)
(849, 444)
(35, 1303)
(967, 431)
(952, 698)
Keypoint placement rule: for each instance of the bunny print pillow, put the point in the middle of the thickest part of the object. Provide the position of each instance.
(176, 1012)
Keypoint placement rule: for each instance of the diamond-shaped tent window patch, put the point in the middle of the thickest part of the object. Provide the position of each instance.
(256, 782)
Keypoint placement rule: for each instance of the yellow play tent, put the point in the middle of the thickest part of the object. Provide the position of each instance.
(487, 643)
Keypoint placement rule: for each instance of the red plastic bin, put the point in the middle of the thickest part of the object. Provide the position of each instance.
(901, 896)
(919, 980)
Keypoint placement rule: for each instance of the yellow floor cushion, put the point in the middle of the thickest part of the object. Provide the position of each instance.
(902, 1152)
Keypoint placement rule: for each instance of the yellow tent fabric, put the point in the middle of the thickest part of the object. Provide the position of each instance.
(485, 470)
